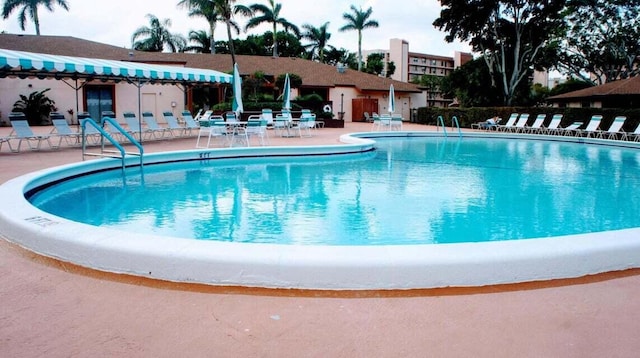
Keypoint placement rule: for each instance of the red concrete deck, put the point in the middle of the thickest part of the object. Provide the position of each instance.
(53, 309)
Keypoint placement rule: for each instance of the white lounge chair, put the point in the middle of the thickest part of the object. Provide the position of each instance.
(537, 124)
(570, 130)
(175, 128)
(510, 122)
(614, 129)
(520, 125)
(553, 126)
(591, 128)
(635, 135)
(154, 128)
(22, 132)
(62, 131)
(136, 127)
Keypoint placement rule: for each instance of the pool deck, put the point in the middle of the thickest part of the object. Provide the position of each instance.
(52, 309)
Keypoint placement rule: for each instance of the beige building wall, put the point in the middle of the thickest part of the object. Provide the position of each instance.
(155, 98)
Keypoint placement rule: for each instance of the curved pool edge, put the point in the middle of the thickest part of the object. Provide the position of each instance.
(304, 267)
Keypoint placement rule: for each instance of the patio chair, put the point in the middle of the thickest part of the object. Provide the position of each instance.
(520, 125)
(537, 124)
(135, 127)
(215, 127)
(510, 122)
(6, 140)
(63, 131)
(22, 131)
(570, 130)
(267, 115)
(189, 122)
(635, 135)
(553, 126)
(614, 129)
(231, 117)
(175, 128)
(307, 122)
(591, 128)
(154, 128)
(396, 122)
(256, 128)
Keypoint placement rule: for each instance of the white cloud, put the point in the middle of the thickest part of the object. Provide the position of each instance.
(114, 21)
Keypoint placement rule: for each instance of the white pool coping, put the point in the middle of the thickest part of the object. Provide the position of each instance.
(305, 267)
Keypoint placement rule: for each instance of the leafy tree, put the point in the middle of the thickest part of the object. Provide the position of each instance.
(573, 84)
(391, 69)
(30, 9)
(201, 42)
(335, 57)
(319, 37)
(432, 83)
(359, 20)
(156, 36)
(254, 45)
(602, 40)
(271, 15)
(375, 63)
(227, 10)
(470, 85)
(511, 35)
(36, 107)
(288, 44)
(207, 9)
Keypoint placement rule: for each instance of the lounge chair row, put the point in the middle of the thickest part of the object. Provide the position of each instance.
(518, 123)
(62, 132)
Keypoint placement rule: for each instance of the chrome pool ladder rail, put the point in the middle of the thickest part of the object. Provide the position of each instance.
(120, 153)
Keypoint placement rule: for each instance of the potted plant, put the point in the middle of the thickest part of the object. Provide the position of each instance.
(36, 107)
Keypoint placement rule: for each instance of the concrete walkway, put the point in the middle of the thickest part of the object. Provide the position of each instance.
(52, 309)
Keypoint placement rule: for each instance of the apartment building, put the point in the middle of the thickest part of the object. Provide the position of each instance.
(411, 66)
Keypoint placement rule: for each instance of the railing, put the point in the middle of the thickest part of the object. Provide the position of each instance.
(103, 134)
(454, 121)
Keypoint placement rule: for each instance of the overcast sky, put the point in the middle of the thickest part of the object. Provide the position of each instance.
(114, 21)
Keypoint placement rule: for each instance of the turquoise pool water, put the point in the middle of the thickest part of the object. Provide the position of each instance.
(408, 191)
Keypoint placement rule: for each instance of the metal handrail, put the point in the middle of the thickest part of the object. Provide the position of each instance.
(454, 120)
(441, 121)
(115, 143)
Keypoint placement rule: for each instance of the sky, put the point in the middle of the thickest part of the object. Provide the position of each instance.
(114, 21)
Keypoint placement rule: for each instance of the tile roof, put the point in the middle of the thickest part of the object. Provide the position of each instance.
(629, 86)
(313, 74)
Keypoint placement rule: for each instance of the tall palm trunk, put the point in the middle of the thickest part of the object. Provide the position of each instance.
(231, 47)
(275, 41)
(212, 29)
(359, 50)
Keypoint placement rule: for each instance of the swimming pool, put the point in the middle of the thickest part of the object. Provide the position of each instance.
(458, 187)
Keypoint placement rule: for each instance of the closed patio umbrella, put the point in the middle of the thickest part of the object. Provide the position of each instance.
(237, 92)
(392, 99)
(286, 94)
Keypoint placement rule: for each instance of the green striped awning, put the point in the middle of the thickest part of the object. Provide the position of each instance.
(26, 64)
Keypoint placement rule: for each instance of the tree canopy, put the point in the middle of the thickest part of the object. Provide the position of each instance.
(510, 35)
(30, 9)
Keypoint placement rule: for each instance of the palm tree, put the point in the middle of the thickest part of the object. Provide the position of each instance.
(358, 20)
(156, 36)
(271, 15)
(319, 36)
(227, 11)
(201, 42)
(30, 8)
(207, 10)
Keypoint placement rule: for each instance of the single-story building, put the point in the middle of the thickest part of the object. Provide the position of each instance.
(347, 89)
(618, 94)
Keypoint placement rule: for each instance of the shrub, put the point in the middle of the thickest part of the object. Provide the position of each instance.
(36, 107)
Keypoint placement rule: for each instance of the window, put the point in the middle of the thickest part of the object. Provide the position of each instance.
(98, 99)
